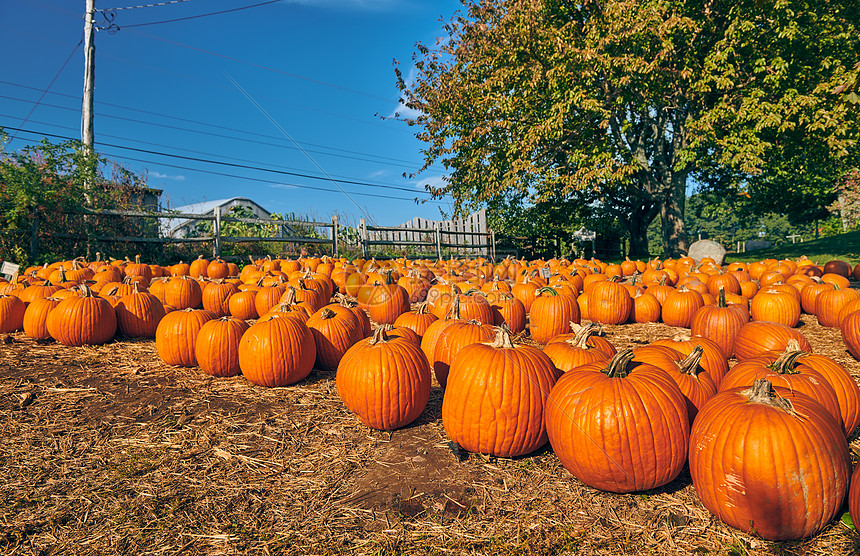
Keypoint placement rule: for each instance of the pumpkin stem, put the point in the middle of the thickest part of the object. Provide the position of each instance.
(721, 298)
(581, 336)
(503, 338)
(379, 335)
(617, 367)
(454, 310)
(762, 392)
(421, 308)
(327, 313)
(547, 289)
(786, 363)
(690, 365)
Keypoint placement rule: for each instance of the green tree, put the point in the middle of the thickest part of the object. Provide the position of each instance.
(42, 189)
(627, 99)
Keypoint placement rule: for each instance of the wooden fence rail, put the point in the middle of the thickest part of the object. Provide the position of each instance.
(445, 235)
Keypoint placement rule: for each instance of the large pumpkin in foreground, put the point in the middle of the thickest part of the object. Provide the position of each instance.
(619, 431)
(277, 352)
(769, 465)
(496, 397)
(84, 320)
(385, 380)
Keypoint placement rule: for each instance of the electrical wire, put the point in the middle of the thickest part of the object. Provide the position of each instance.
(406, 163)
(342, 179)
(308, 156)
(222, 136)
(199, 15)
(166, 3)
(301, 186)
(51, 84)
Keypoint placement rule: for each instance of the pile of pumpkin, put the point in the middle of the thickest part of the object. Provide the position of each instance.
(765, 441)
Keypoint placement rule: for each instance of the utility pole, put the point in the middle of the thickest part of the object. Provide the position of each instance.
(87, 134)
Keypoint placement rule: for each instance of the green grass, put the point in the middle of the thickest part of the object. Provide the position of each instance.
(845, 247)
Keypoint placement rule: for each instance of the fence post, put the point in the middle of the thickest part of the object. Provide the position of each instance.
(334, 233)
(438, 230)
(493, 242)
(362, 230)
(216, 251)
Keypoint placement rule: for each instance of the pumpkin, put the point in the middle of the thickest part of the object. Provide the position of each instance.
(496, 397)
(12, 311)
(773, 305)
(335, 329)
(794, 480)
(508, 310)
(217, 269)
(609, 303)
(602, 419)
(217, 347)
(720, 323)
(680, 306)
(242, 305)
(854, 488)
(385, 380)
(176, 336)
(387, 301)
(692, 379)
(756, 338)
(713, 358)
(198, 267)
(83, 320)
(138, 314)
(829, 303)
(646, 308)
(216, 297)
(577, 349)
(475, 306)
(277, 352)
(183, 292)
(36, 317)
(453, 337)
(525, 291)
(418, 320)
(837, 267)
(847, 392)
(781, 371)
(552, 314)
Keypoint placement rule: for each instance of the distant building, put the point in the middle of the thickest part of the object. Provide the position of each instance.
(180, 227)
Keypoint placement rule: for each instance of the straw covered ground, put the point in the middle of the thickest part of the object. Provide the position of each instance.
(107, 450)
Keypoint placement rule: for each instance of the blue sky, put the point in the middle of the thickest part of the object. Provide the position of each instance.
(321, 69)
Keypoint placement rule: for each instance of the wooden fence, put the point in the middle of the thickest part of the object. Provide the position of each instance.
(462, 236)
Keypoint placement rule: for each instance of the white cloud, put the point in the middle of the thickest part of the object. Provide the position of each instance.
(283, 186)
(159, 175)
(433, 181)
(378, 174)
(401, 110)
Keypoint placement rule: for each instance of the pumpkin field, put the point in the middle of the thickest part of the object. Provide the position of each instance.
(334, 406)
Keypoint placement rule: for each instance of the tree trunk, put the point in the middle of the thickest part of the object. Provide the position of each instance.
(640, 218)
(672, 216)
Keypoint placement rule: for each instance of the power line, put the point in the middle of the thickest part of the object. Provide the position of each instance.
(51, 84)
(342, 179)
(288, 136)
(407, 163)
(220, 135)
(190, 16)
(235, 166)
(167, 3)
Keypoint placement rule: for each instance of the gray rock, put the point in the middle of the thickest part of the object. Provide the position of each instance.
(707, 248)
(756, 244)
